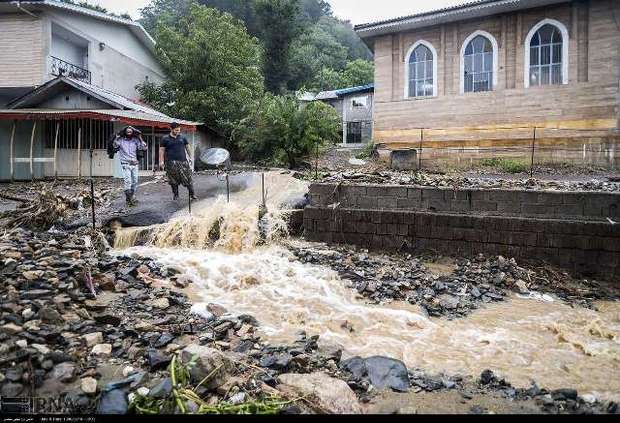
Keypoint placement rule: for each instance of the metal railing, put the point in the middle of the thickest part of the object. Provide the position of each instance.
(63, 68)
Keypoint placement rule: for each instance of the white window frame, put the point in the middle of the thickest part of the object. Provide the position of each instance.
(408, 57)
(565, 50)
(495, 46)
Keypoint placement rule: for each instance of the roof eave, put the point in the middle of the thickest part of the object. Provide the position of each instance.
(454, 14)
(136, 28)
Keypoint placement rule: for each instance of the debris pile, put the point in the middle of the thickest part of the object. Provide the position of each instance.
(460, 182)
(456, 293)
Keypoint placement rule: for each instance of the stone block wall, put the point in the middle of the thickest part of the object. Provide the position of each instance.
(489, 222)
(542, 204)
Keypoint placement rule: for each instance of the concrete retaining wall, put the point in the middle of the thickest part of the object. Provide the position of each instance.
(584, 242)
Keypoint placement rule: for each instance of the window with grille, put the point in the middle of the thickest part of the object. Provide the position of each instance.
(421, 76)
(478, 70)
(92, 131)
(546, 56)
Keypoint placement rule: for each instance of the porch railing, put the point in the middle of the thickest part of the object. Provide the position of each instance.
(63, 68)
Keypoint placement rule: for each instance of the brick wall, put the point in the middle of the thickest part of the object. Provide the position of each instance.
(585, 245)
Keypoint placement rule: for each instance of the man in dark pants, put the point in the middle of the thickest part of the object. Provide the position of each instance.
(174, 157)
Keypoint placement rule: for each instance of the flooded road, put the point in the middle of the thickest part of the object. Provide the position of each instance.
(522, 339)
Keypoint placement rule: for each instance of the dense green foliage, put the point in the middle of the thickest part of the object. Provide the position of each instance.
(235, 64)
(302, 39)
(284, 131)
(213, 69)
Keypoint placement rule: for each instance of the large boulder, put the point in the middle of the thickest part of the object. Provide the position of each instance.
(381, 372)
(207, 362)
(333, 396)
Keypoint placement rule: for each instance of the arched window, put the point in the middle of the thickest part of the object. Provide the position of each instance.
(421, 71)
(546, 52)
(478, 59)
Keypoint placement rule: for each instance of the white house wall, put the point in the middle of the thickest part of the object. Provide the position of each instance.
(119, 65)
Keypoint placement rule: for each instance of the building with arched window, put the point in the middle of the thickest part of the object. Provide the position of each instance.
(494, 74)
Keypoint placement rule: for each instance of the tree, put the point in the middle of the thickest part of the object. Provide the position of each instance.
(279, 27)
(284, 131)
(312, 52)
(213, 70)
(168, 12)
(357, 72)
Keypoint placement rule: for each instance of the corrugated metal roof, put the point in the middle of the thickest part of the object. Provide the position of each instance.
(127, 116)
(116, 98)
(329, 95)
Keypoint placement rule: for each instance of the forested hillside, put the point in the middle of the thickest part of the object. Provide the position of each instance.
(304, 44)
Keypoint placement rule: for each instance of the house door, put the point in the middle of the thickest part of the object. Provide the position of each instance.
(354, 132)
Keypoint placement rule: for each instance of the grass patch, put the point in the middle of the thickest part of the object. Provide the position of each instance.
(366, 153)
(506, 165)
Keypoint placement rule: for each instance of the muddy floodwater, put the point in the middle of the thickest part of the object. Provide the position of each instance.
(523, 339)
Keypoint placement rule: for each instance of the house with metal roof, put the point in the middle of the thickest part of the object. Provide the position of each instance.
(355, 107)
(68, 78)
(500, 77)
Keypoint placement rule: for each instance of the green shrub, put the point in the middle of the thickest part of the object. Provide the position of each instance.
(506, 165)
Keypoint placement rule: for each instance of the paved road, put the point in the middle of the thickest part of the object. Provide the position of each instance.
(155, 203)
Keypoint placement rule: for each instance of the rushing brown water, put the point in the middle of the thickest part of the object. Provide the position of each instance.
(522, 339)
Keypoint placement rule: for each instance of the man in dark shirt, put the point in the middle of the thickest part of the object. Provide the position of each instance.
(174, 157)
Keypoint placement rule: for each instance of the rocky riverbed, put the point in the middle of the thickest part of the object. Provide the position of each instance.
(443, 286)
(102, 330)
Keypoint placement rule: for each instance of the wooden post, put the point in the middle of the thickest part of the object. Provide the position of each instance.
(533, 150)
(11, 153)
(56, 150)
(193, 150)
(79, 152)
(154, 144)
(421, 146)
(34, 129)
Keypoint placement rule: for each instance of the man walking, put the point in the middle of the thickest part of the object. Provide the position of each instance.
(130, 146)
(174, 157)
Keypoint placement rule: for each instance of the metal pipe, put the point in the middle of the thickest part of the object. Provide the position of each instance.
(227, 188)
(263, 188)
(56, 151)
(34, 129)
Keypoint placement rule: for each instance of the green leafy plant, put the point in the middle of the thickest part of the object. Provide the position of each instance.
(183, 393)
(506, 165)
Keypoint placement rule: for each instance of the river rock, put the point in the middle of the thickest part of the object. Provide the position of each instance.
(49, 315)
(386, 372)
(334, 396)
(207, 361)
(64, 372)
(160, 303)
(564, 394)
(11, 389)
(157, 360)
(486, 377)
(522, 286)
(11, 329)
(93, 339)
(216, 309)
(113, 402)
(89, 385)
(102, 350)
(161, 390)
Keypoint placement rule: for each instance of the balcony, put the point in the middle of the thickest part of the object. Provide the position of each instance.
(62, 68)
